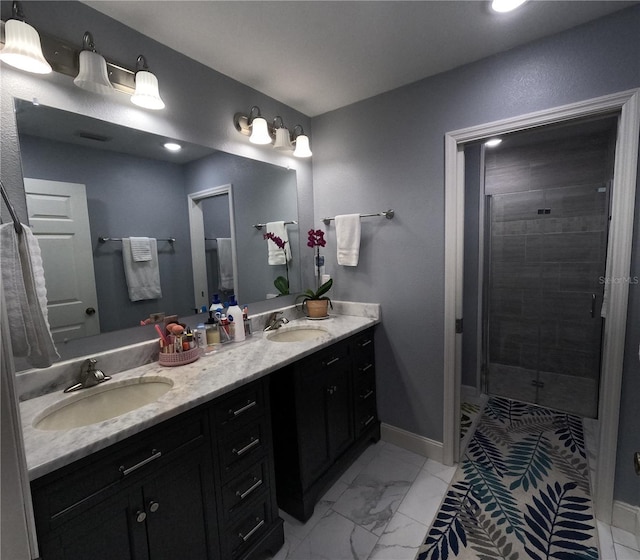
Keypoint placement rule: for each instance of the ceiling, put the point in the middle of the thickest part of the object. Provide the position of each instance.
(316, 56)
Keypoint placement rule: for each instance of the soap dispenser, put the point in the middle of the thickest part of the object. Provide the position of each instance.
(235, 312)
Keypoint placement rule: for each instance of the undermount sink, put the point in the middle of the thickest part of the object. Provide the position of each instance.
(296, 334)
(105, 401)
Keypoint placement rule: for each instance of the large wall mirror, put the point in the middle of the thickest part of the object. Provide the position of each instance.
(87, 179)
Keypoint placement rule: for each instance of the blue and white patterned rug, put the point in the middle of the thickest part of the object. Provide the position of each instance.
(520, 491)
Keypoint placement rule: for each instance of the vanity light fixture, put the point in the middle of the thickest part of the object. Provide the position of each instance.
(146, 94)
(302, 143)
(260, 131)
(493, 142)
(92, 75)
(22, 47)
(503, 6)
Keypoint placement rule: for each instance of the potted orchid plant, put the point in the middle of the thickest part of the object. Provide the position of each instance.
(281, 283)
(314, 302)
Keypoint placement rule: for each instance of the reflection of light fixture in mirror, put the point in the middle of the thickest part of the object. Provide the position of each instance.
(302, 143)
(259, 128)
(22, 48)
(282, 141)
(147, 94)
(172, 146)
(93, 74)
(503, 6)
(493, 142)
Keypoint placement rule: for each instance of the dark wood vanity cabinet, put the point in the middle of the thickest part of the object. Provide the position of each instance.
(198, 486)
(324, 414)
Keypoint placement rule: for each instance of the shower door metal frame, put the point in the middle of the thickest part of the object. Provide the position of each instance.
(627, 105)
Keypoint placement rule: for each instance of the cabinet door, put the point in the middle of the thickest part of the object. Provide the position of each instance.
(311, 408)
(180, 506)
(339, 411)
(107, 530)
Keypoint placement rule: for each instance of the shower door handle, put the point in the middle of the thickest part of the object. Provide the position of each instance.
(593, 306)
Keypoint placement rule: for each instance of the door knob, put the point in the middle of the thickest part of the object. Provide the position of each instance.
(140, 516)
(153, 506)
(90, 311)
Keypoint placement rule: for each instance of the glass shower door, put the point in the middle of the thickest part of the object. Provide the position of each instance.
(546, 263)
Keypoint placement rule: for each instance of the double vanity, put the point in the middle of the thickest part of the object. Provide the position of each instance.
(195, 461)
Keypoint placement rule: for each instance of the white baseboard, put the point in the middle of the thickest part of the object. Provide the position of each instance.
(412, 442)
(627, 518)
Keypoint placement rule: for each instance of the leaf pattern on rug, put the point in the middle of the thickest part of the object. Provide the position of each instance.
(521, 491)
(484, 450)
(447, 532)
(558, 523)
(570, 432)
(574, 468)
(494, 496)
(529, 461)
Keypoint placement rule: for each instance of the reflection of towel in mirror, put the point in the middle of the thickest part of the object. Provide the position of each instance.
(277, 255)
(225, 263)
(141, 249)
(348, 239)
(143, 277)
(25, 296)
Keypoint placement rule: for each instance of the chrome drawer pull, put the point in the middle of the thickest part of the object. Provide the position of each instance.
(367, 395)
(331, 361)
(368, 421)
(365, 343)
(243, 495)
(249, 405)
(366, 368)
(154, 455)
(246, 448)
(246, 537)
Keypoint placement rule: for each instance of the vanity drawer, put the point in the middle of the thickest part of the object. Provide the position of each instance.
(241, 405)
(72, 489)
(248, 529)
(244, 488)
(242, 447)
(366, 415)
(362, 347)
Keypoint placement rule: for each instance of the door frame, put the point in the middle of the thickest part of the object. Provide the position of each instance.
(196, 231)
(627, 105)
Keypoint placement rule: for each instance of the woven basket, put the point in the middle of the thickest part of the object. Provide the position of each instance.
(179, 358)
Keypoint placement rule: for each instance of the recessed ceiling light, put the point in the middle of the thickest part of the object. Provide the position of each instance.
(492, 142)
(503, 6)
(172, 146)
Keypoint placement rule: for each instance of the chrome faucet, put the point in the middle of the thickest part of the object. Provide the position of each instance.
(89, 376)
(274, 321)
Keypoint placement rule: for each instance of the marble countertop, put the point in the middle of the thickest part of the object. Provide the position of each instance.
(193, 384)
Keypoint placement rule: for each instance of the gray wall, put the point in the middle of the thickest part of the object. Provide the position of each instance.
(388, 151)
(117, 186)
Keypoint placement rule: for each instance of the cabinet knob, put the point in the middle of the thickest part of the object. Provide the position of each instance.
(153, 506)
(140, 516)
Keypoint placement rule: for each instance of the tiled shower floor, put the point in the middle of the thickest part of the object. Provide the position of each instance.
(381, 509)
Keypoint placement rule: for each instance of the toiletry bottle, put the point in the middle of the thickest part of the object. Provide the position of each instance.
(235, 312)
(201, 338)
(246, 322)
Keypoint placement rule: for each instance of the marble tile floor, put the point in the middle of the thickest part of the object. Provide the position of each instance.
(382, 507)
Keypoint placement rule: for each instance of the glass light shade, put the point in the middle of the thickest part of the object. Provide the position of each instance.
(147, 94)
(22, 48)
(493, 142)
(302, 146)
(93, 74)
(259, 131)
(283, 140)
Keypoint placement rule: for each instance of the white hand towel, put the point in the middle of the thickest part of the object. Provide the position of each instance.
(140, 249)
(277, 255)
(143, 278)
(348, 239)
(25, 295)
(225, 263)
